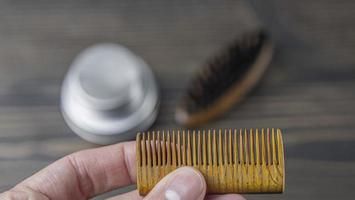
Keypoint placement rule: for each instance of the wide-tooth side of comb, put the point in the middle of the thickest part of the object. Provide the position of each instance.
(232, 161)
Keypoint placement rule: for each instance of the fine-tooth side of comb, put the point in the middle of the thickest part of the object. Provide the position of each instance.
(231, 160)
(225, 79)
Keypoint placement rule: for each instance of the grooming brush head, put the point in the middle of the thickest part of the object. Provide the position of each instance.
(232, 161)
(225, 79)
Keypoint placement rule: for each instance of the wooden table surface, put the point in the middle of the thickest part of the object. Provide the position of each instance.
(309, 90)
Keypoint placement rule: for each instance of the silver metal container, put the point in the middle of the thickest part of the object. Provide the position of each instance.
(109, 94)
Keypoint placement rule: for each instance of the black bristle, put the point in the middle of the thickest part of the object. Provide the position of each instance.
(221, 72)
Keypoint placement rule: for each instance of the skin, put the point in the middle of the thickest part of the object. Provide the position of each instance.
(91, 172)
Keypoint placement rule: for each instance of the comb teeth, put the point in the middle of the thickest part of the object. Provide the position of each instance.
(232, 161)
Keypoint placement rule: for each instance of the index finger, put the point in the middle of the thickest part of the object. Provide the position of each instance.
(86, 173)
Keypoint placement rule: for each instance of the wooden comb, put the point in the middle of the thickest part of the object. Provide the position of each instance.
(232, 161)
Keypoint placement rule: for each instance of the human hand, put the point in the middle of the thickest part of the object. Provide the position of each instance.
(88, 173)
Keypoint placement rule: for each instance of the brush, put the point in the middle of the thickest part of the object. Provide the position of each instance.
(225, 79)
(232, 161)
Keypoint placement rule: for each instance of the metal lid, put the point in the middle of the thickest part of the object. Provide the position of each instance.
(109, 94)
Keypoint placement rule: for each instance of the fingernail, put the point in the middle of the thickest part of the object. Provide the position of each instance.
(185, 184)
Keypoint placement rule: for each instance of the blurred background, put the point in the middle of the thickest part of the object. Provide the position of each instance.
(308, 91)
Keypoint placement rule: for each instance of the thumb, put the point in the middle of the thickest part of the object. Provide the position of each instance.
(184, 183)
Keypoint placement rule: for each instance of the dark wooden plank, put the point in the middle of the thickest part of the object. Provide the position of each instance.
(308, 90)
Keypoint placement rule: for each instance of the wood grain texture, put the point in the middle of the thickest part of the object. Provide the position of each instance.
(308, 90)
(231, 160)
